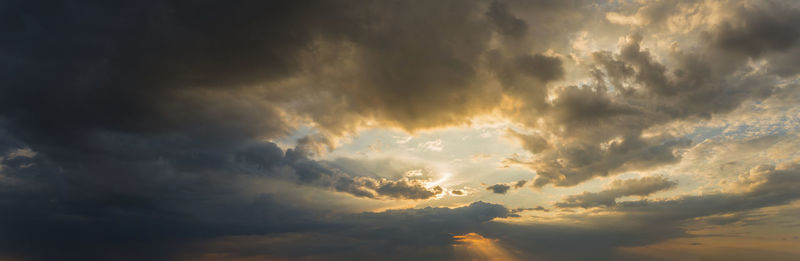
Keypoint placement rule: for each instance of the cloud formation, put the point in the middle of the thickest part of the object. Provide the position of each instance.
(502, 188)
(617, 189)
(180, 130)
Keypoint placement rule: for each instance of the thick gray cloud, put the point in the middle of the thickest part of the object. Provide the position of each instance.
(160, 66)
(617, 189)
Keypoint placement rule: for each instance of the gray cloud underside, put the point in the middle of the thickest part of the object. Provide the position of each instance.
(618, 188)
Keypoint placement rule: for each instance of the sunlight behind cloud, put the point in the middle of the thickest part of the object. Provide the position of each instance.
(478, 248)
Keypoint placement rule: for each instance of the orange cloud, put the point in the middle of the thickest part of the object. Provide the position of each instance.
(476, 247)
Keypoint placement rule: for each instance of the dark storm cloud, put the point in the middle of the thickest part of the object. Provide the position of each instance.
(617, 189)
(128, 66)
(161, 66)
(145, 117)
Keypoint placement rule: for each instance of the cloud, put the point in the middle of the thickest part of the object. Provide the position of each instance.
(537, 208)
(617, 189)
(133, 131)
(160, 202)
(174, 65)
(402, 234)
(763, 186)
(597, 129)
(432, 145)
(365, 184)
(149, 120)
(502, 188)
(533, 143)
(646, 221)
(407, 189)
(655, 13)
(498, 188)
(758, 28)
(506, 23)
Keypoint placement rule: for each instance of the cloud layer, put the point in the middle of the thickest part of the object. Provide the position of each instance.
(198, 130)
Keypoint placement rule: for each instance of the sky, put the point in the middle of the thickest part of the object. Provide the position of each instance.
(400, 130)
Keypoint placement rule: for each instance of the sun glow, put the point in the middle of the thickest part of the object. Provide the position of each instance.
(476, 247)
